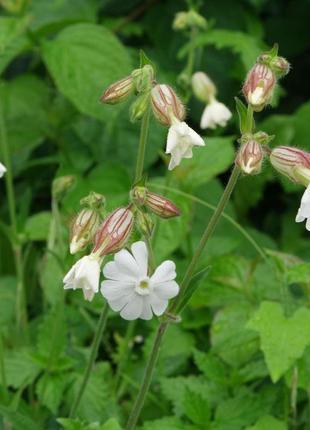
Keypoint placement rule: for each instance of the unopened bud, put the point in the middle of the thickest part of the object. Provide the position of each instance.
(145, 223)
(280, 66)
(62, 185)
(93, 200)
(83, 230)
(161, 206)
(139, 107)
(118, 91)
(203, 87)
(143, 78)
(138, 195)
(166, 104)
(114, 232)
(259, 86)
(250, 157)
(190, 19)
(292, 162)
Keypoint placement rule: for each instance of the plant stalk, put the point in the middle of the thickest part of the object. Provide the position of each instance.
(142, 144)
(137, 407)
(93, 355)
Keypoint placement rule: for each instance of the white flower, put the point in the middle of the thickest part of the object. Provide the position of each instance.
(215, 114)
(180, 141)
(304, 210)
(2, 170)
(130, 291)
(84, 274)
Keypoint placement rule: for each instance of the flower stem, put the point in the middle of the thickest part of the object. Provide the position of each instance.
(135, 413)
(92, 357)
(142, 144)
(21, 313)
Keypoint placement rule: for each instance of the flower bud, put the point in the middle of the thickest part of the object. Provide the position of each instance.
(143, 78)
(93, 200)
(280, 66)
(61, 186)
(139, 107)
(259, 85)
(293, 163)
(250, 157)
(83, 230)
(118, 91)
(114, 232)
(161, 206)
(166, 104)
(203, 87)
(190, 19)
(145, 223)
(138, 195)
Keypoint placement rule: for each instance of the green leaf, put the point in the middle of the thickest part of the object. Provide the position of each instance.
(50, 277)
(211, 366)
(49, 389)
(246, 123)
(166, 423)
(197, 409)
(18, 420)
(37, 226)
(83, 60)
(268, 422)
(211, 160)
(13, 39)
(7, 299)
(230, 338)
(20, 368)
(76, 424)
(283, 340)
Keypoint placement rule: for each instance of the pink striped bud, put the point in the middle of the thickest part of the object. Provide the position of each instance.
(83, 229)
(259, 85)
(114, 232)
(161, 206)
(118, 91)
(293, 163)
(166, 104)
(250, 157)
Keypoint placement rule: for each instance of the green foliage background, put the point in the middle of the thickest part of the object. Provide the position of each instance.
(240, 359)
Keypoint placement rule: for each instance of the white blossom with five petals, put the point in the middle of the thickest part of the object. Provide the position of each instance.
(180, 141)
(84, 274)
(131, 291)
(214, 114)
(2, 170)
(304, 210)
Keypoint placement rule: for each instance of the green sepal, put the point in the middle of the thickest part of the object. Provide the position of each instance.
(144, 60)
(246, 120)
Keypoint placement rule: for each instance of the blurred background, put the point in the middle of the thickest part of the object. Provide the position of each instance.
(56, 58)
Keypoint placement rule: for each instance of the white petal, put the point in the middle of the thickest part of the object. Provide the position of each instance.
(115, 289)
(206, 119)
(158, 305)
(127, 264)
(146, 313)
(2, 170)
(195, 139)
(164, 272)
(308, 224)
(166, 290)
(87, 273)
(133, 309)
(139, 251)
(88, 295)
(306, 195)
(118, 304)
(299, 217)
(112, 271)
(172, 139)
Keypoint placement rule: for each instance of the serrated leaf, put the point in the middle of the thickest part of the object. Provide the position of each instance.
(197, 409)
(18, 420)
(20, 368)
(212, 367)
(49, 389)
(282, 340)
(83, 60)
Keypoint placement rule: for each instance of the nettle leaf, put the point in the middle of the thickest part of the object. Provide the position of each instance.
(211, 366)
(83, 60)
(50, 277)
(20, 368)
(268, 422)
(283, 340)
(18, 420)
(13, 39)
(197, 409)
(211, 160)
(37, 226)
(230, 337)
(49, 389)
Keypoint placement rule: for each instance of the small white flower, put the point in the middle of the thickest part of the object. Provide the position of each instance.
(180, 141)
(304, 210)
(2, 170)
(84, 274)
(130, 291)
(215, 114)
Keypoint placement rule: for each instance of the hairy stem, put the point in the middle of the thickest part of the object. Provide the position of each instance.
(92, 358)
